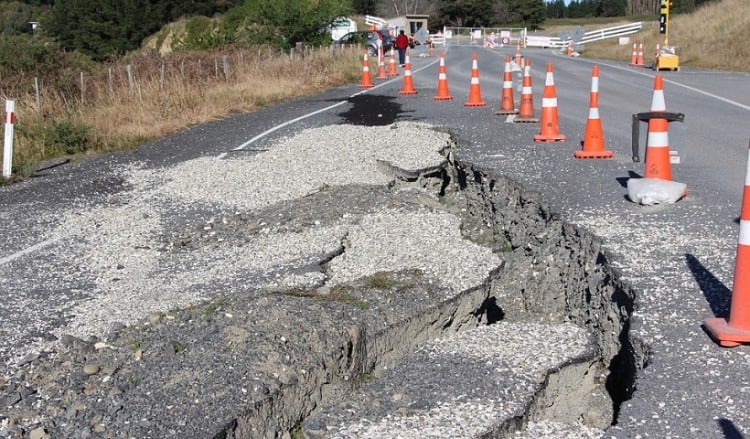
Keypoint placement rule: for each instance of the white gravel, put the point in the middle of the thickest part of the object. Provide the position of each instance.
(296, 166)
(121, 244)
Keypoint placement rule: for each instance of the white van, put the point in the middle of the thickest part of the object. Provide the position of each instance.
(342, 26)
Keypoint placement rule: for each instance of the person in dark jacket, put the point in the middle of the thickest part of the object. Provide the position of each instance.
(402, 42)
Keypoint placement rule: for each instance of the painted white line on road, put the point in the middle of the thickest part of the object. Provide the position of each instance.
(31, 249)
(279, 126)
(670, 81)
(305, 116)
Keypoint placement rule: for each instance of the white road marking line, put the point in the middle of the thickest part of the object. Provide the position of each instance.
(28, 250)
(305, 116)
(670, 81)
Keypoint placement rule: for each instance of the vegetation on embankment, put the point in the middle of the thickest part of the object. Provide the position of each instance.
(67, 106)
(121, 105)
(714, 36)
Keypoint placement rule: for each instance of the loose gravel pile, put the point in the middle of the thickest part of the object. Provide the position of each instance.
(198, 282)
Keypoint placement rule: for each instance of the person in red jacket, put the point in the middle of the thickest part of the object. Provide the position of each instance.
(402, 42)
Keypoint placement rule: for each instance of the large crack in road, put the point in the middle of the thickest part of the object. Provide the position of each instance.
(273, 352)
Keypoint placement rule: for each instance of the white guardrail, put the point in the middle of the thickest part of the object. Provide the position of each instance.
(465, 36)
(375, 21)
(588, 37)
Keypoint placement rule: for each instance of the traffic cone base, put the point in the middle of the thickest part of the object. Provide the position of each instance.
(724, 334)
(550, 138)
(593, 154)
(526, 119)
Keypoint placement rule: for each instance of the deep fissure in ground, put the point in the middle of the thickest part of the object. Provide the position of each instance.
(553, 272)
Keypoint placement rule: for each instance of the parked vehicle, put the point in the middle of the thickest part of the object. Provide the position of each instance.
(368, 39)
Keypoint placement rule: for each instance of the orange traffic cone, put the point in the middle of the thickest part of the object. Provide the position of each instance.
(656, 55)
(634, 55)
(381, 65)
(442, 89)
(475, 90)
(736, 330)
(431, 52)
(549, 131)
(517, 59)
(570, 48)
(657, 147)
(408, 88)
(639, 58)
(392, 71)
(593, 139)
(507, 105)
(366, 78)
(526, 110)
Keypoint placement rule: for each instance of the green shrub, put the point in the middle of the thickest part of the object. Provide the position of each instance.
(67, 137)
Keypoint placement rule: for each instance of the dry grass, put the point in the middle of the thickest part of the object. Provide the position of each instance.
(167, 94)
(170, 92)
(714, 36)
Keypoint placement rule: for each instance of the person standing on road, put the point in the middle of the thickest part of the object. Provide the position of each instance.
(402, 42)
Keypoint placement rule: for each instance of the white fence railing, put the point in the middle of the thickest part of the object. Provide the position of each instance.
(588, 37)
(482, 37)
(375, 21)
(499, 37)
(611, 32)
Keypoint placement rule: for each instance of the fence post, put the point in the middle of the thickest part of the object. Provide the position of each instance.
(37, 93)
(83, 90)
(10, 119)
(129, 69)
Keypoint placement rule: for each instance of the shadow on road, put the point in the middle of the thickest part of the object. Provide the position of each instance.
(716, 293)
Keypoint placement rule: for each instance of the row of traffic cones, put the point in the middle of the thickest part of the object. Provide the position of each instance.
(728, 332)
(657, 152)
(636, 58)
(382, 73)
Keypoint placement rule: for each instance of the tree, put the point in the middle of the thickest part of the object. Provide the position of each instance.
(284, 23)
(15, 17)
(113, 27)
(529, 13)
(611, 8)
(466, 13)
(365, 7)
(557, 9)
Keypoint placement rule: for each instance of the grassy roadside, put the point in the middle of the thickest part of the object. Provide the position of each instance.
(712, 37)
(149, 96)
